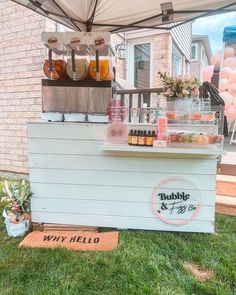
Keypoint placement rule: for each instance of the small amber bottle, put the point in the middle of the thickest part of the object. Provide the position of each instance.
(135, 138)
(130, 137)
(141, 139)
(153, 136)
(149, 139)
(145, 136)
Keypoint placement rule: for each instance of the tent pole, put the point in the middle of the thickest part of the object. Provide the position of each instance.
(89, 23)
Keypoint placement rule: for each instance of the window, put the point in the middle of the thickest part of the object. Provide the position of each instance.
(177, 62)
(142, 54)
(194, 52)
(62, 28)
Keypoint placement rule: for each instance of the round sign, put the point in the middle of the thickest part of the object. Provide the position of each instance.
(176, 200)
(117, 133)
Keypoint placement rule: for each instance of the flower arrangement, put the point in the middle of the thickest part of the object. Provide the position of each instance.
(17, 198)
(179, 86)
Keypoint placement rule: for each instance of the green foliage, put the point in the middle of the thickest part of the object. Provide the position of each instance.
(179, 86)
(17, 196)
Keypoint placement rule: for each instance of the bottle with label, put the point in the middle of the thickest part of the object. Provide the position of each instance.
(141, 138)
(130, 137)
(135, 138)
(145, 136)
(162, 126)
(149, 139)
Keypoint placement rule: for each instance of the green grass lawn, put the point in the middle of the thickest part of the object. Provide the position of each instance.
(144, 263)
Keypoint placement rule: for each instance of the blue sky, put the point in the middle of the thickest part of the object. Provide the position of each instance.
(213, 26)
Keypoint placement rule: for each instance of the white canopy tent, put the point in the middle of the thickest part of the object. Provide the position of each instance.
(123, 15)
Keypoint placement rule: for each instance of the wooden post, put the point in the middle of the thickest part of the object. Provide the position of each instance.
(216, 76)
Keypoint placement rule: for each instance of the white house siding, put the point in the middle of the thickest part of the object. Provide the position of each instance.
(182, 35)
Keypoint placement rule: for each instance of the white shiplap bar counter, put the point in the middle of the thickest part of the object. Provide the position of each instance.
(77, 179)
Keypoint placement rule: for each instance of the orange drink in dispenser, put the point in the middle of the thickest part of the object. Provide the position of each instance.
(100, 67)
(105, 69)
(54, 66)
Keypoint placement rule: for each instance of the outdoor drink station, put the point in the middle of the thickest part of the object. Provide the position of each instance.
(98, 160)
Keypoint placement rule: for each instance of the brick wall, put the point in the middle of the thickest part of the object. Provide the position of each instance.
(162, 56)
(121, 64)
(21, 57)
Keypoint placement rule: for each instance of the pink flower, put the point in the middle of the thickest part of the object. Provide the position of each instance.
(179, 78)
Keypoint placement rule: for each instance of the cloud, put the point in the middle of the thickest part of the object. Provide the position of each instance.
(213, 26)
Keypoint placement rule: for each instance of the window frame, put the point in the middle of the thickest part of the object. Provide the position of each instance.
(196, 52)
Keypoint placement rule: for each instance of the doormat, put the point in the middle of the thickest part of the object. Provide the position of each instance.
(77, 240)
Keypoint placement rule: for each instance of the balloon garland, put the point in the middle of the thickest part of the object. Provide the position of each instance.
(227, 83)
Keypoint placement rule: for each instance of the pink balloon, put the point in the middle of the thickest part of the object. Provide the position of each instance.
(234, 101)
(225, 72)
(232, 77)
(233, 46)
(216, 59)
(230, 112)
(229, 52)
(232, 89)
(223, 84)
(230, 62)
(207, 73)
(228, 98)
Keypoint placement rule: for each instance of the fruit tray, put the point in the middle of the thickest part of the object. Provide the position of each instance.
(194, 140)
(193, 118)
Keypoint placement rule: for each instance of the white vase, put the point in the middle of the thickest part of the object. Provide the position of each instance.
(15, 229)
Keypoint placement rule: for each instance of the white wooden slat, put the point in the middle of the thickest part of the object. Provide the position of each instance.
(112, 208)
(95, 147)
(63, 146)
(90, 162)
(121, 222)
(105, 193)
(117, 178)
(67, 130)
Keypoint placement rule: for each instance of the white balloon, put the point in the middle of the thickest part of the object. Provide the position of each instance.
(228, 98)
(223, 84)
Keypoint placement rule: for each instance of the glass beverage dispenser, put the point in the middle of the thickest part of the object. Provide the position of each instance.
(77, 57)
(101, 67)
(54, 66)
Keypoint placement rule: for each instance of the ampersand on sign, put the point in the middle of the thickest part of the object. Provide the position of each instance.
(163, 206)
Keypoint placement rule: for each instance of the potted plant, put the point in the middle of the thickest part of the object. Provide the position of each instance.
(179, 92)
(17, 197)
(179, 87)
